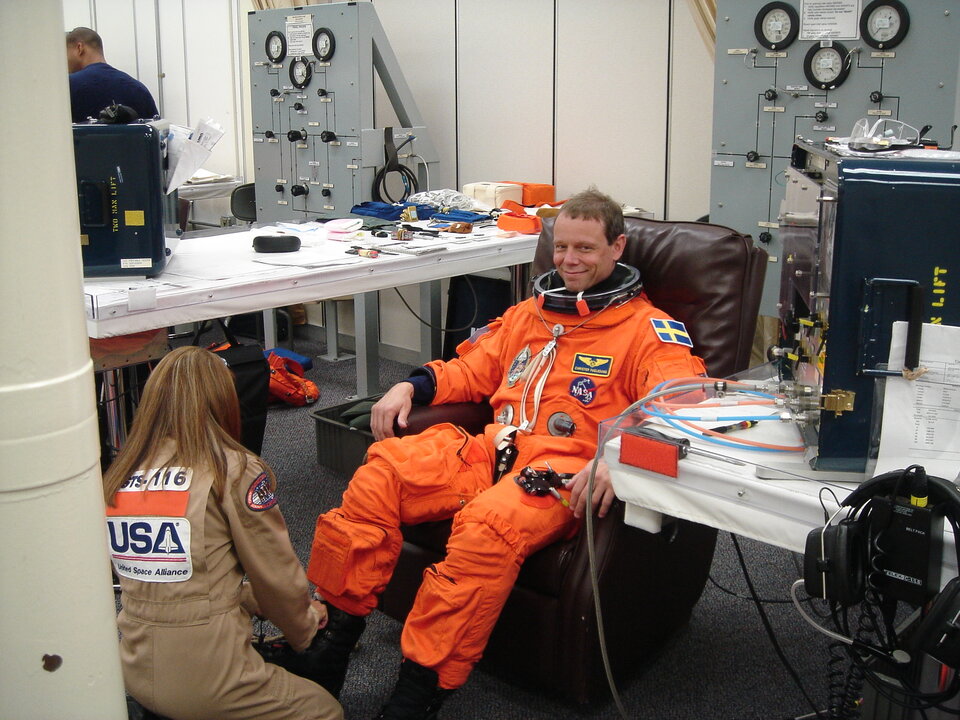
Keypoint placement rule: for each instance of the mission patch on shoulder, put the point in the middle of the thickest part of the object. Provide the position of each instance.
(260, 496)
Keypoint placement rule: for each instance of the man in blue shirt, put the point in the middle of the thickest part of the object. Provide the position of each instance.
(95, 85)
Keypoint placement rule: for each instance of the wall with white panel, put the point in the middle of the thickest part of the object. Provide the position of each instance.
(505, 90)
(615, 93)
(612, 67)
(691, 119)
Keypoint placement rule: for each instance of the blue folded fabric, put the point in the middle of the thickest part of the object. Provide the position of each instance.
(460, 216)
(390, 211)
(305, 362)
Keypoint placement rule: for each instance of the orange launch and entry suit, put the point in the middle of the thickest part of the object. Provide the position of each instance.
(181, 555)
(600, 366)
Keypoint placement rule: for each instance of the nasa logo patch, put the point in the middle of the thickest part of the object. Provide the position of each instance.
(584, 390)
(260, 496)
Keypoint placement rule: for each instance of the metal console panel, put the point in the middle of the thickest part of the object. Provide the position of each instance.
(883, 246)
(317, 148)
(763, 99)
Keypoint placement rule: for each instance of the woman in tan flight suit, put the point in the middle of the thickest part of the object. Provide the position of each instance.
(190, 511)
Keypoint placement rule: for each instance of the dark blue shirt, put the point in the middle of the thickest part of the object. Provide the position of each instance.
(99, 85)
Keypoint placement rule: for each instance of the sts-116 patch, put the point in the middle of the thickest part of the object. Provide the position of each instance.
(671, 331)
(151, 549)
(260, 496)
(596, 365)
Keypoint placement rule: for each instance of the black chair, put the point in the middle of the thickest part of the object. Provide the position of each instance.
(243, 206)
(710, 278)
(243, 203)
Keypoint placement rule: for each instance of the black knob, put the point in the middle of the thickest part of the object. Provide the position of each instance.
(298, 106)
(269, 133)
(298, 190)
(274, 92)
(296, 135)
(821, 115)
(765, 237)
(321, 92)
(328, 136)
(325, 192)
(876, 96)
(753, 156)
(278, 187)
(770, 94)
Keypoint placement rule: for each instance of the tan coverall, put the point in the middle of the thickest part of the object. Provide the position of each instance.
(613, 359)
(186, 621)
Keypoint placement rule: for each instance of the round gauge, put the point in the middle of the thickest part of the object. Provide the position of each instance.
(884, 23)
(776, 25)
(276, 47)
(300, 72)
(826, 66)
(324, 44)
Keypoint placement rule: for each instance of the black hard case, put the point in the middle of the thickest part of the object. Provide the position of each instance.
(120, 194)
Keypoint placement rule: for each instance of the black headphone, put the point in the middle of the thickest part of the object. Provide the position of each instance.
(888, 549)
(560, 300)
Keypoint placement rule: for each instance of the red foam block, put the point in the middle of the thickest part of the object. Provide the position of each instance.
(649, 454)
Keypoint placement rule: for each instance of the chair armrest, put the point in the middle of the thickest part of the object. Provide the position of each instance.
(472, 417)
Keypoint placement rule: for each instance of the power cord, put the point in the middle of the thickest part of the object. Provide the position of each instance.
(770, 633)
(392, 164)
(476, 310)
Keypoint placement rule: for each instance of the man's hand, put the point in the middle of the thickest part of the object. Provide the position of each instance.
(322, 616)
(603, 494)
(394, 405)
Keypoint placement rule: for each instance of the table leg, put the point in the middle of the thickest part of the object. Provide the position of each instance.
(366, 318)
(269, 329)
(431, 338)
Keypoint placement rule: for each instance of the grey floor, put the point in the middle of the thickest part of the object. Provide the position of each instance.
(721, 665)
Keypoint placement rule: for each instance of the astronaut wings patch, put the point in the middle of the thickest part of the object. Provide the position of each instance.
(671, 331)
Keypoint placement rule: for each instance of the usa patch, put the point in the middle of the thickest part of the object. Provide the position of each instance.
(596, 365)
(671, 331)
(583, 389)
(260, 496)
(151, 549)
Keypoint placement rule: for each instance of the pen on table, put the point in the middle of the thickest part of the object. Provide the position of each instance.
(363, 252)
(742, 425)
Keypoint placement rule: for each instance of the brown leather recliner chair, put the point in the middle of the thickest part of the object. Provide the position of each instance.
(710, 278)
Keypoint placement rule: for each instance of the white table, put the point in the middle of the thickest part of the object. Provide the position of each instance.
(217, 274)
(774, 498)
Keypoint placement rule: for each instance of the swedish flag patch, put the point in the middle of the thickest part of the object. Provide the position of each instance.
(671, 331)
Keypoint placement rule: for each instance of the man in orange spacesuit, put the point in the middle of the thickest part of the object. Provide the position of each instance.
(581, 350)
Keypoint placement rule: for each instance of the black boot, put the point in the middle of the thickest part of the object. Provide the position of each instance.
(330, 651)
(325, 661)
(416, 695)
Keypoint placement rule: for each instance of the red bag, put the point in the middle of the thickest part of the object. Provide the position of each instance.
(287, 382)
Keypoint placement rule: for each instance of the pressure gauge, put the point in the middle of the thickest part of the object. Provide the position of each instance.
(276, 47)
(884, 23)
(300, 72)
(776, 25)
(324, 44)
(826, 66)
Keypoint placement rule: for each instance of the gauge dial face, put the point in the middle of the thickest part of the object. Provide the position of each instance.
(776, 25)
(884, 23)
(323, 44)
(300, 72)
(826, 67)
(276, 47)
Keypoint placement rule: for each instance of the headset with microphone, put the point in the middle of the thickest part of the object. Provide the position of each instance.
(886, 549)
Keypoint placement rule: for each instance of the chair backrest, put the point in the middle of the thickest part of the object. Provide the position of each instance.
(709, 277)
(243, 203)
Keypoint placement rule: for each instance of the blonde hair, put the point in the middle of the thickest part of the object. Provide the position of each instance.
(189, 400)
